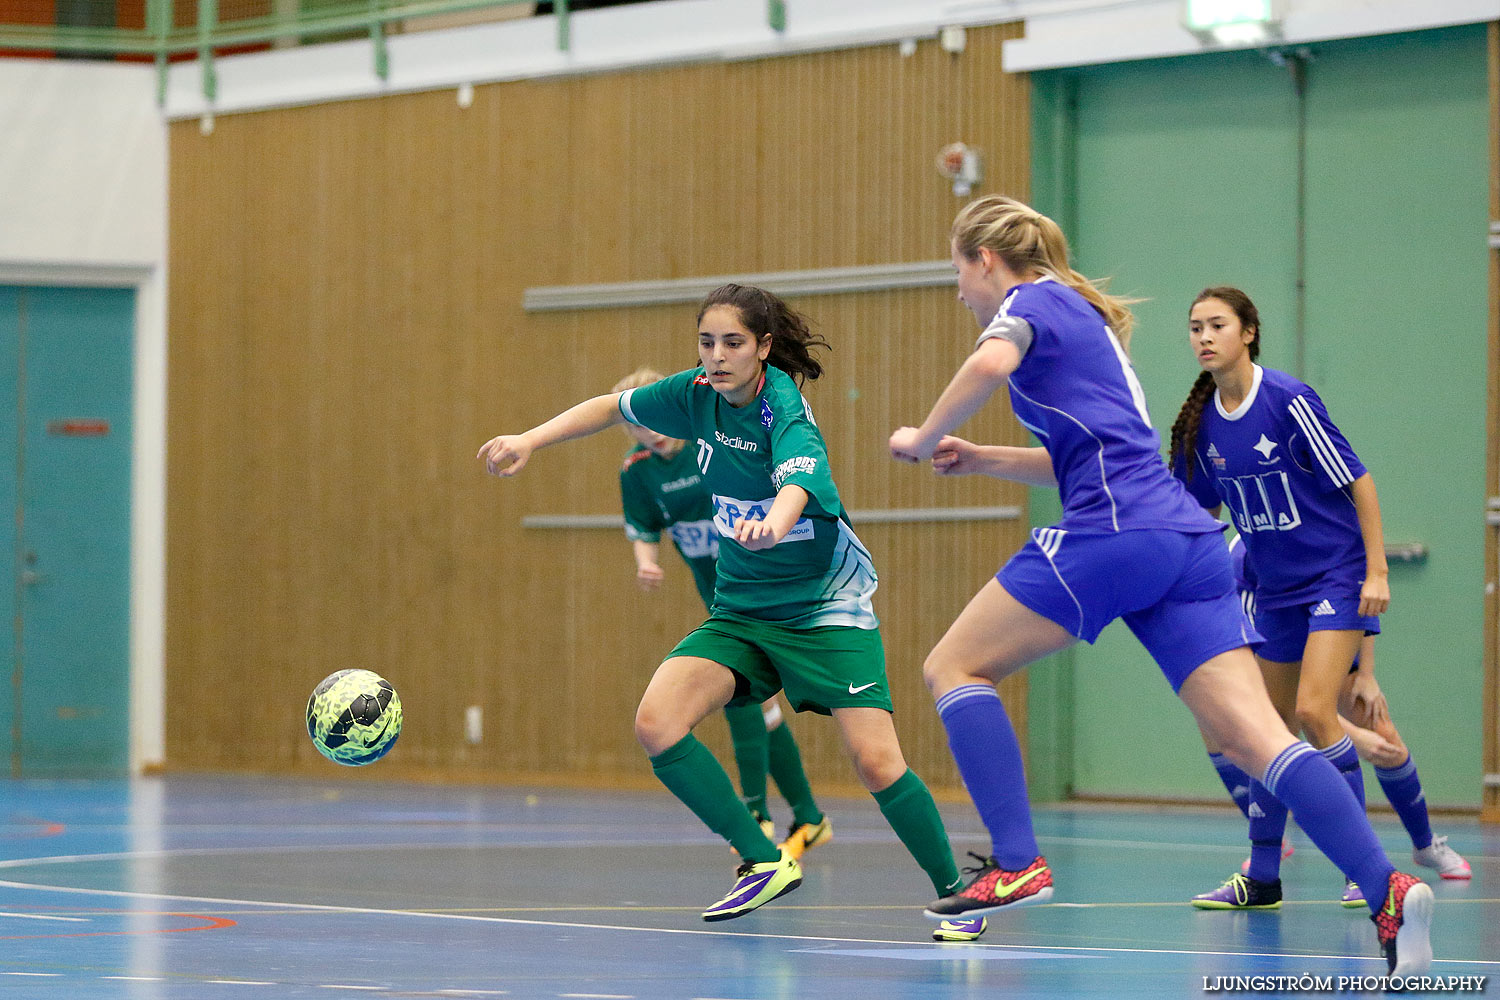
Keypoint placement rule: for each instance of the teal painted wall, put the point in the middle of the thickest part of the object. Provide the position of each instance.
(1177, 174)
(69, 508)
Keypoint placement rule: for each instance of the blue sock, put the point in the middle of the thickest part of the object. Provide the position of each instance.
(1267, 828)
(1326, 810)
(1342, 756)
(989, 760)
(1236, 782)
(1404, 790)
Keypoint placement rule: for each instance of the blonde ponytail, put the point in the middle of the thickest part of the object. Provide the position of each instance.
(1032, 244)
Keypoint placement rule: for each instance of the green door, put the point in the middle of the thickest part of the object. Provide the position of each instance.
(1183, 174)
(65, 418)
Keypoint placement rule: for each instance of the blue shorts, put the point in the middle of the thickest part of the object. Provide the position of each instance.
(1175, 591)
(1285, 630)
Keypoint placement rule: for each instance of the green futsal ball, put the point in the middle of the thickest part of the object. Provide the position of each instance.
(354, 717)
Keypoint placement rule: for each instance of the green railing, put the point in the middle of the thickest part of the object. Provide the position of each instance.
(162, 38)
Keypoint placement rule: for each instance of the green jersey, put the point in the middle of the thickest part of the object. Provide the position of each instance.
(819, 574)
(667, 494)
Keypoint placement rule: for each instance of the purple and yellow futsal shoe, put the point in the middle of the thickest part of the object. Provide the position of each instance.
(1353, 897)
(959, 929)
(756, 885)
(1240, 892)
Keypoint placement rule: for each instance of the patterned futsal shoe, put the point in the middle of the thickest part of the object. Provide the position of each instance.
(994, 889)
(1442, 859)
(804, 836)
(1404, 925)
(1287, 850)
(755, 885)
(1353, 897)
(1240, 892)
(960, 929)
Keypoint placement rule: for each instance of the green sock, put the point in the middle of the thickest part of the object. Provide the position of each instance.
(747, 731)
(690, 772)
(791, 780)
(909, 808)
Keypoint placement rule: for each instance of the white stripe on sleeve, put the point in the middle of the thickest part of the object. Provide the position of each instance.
(1322, 445)
(625, 410)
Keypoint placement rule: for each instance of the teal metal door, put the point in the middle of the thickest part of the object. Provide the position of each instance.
(65, 418)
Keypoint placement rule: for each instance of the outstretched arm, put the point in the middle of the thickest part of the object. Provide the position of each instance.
(956, 457)
(507, 454)
(981, 374)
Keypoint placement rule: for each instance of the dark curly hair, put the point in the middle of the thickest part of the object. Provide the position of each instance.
(766, 315)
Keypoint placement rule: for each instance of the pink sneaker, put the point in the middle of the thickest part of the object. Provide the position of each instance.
(1443, 859)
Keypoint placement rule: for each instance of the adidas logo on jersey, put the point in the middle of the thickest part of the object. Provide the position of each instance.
(1256, 812)
(1323, 610)
(1213, 451)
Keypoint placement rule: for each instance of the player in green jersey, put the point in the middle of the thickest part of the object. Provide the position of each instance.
(662, 491)
(792, 606)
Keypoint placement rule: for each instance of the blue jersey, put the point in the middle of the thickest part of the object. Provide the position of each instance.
(1076, 391)
(1284, 469)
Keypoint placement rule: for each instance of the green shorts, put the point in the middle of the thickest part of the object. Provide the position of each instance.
(820, 669)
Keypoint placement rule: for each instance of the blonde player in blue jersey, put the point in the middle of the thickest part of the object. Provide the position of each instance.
(1306, 510)
(792, 606)
(1132, 544)
(662, 492)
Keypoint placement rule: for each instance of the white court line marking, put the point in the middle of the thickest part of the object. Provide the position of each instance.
(576, 925)
(240, 982)
(206, 852)
(337, 986)
(38, 975)
(136, 979)
(600, 996)
(38, 916)
(474, 993)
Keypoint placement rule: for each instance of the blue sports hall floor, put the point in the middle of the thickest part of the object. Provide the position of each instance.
(238, 889)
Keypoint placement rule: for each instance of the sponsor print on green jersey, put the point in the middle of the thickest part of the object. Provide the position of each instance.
(820, 574)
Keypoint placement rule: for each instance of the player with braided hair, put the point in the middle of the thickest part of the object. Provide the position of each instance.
(1306, 509)
(1132, 544)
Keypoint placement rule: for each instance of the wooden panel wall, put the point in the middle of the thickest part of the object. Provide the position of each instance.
(346, 331)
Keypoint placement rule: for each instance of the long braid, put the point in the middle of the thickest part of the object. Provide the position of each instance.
(1185, 427)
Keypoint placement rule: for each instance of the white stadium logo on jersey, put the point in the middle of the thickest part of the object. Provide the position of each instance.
(737, 443)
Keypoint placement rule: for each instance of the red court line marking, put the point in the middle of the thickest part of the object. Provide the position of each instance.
(212, 924)
(47, 829)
